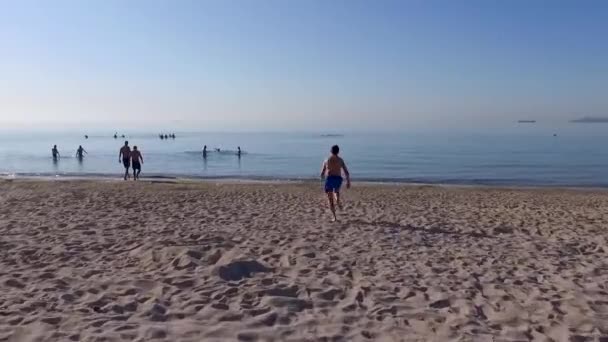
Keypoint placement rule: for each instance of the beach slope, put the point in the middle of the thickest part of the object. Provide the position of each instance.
(113, 261)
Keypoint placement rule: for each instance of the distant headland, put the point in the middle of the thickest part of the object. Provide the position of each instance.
(591, 119)
(526, 121)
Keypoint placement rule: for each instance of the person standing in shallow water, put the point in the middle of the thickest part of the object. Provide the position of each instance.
(332, 173)
(80, 152)
(124, 156)
(55, 153)
(136, 159)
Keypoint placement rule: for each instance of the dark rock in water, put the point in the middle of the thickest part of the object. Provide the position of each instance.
(238, 270)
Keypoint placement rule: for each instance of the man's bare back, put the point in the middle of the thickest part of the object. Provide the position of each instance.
(135, 156)
(332, 172)
(334, 166)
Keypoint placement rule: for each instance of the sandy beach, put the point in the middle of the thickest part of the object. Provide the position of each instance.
(114, 261)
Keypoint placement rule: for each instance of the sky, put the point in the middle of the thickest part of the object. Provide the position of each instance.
(262, 65)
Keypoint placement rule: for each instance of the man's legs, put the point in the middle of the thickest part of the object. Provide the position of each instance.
(338, 202)
(138, 171)
(126, 172)
(330, 198)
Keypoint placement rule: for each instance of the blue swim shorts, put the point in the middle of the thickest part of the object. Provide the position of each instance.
(333, 184)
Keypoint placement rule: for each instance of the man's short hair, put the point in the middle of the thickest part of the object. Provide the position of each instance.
(335, 149)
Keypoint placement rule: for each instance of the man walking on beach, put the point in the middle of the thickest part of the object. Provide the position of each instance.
(124, 156)
(137, 159)
(332, 172)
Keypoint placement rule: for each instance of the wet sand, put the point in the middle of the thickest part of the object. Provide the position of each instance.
(114, 261)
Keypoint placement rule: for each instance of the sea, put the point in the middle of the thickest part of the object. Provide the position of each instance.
(573, 155)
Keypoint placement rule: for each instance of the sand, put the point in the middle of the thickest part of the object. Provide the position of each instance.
(114, 261)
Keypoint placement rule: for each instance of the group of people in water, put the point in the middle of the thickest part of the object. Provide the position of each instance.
(166, 136)
(130, 158)
(80, 151)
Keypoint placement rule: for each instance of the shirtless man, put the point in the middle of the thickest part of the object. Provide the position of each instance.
(55, 153)
(332, 172)
(80, 152)
(136, 158)
(124, 157)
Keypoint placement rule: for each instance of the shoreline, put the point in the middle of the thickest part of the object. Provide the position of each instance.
(117, 178)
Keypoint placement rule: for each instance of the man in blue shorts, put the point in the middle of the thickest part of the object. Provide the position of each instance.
(332, 172)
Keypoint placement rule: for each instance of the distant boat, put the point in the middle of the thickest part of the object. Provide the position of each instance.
(591, 119)
(526, 121)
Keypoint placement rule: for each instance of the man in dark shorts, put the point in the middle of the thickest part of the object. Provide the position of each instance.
(55, 153)
(332, 172)
(137, 159)
(124, 157)
(80, 152)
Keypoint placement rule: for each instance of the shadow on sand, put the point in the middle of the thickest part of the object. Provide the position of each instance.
(409, 227)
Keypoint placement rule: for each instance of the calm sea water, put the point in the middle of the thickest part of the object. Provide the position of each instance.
(519, 155)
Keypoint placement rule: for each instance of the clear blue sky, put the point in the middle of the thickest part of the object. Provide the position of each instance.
(272, 65)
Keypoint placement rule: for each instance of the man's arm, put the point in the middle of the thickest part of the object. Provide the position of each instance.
(323, 169)
(141, 156)
(119, 155)
(346, 173)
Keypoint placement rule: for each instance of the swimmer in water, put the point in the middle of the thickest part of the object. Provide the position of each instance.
(205, 151)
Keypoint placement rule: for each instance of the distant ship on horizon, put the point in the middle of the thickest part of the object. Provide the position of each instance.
(591, 119)
(526, 121)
